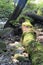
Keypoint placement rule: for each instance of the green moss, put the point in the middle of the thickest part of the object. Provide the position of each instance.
(27, 38)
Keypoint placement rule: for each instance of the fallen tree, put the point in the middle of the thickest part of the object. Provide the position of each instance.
(37, 19)
(34, 16)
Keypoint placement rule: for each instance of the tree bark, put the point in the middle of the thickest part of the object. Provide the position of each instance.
(34, 16)
(17, 11)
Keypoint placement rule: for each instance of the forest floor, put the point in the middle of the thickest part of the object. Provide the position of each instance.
(14, 49)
